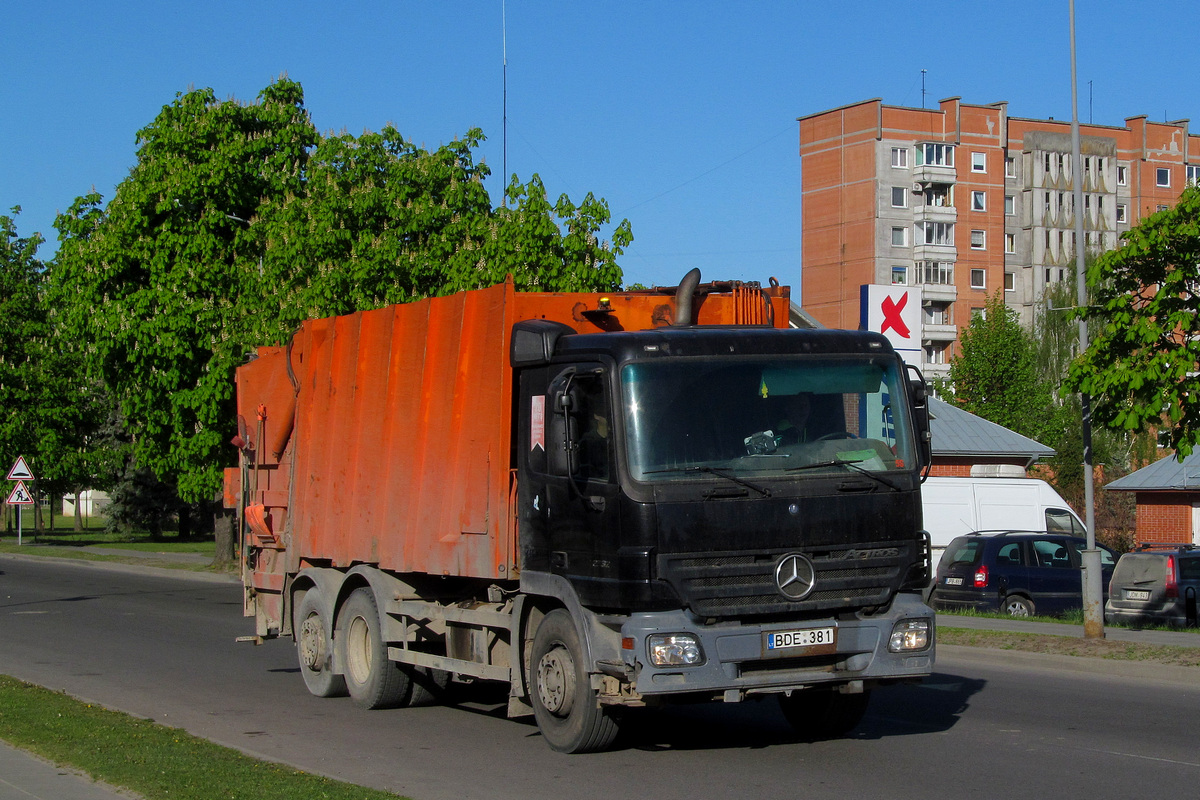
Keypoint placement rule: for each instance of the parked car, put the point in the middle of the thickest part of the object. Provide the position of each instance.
(1155, 587)
(1017, 572)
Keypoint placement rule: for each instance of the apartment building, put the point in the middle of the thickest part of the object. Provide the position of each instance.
(941, 208)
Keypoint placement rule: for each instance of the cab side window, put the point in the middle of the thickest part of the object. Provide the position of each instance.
(593, 461)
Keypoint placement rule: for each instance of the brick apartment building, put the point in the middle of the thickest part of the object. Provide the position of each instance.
(951, 204)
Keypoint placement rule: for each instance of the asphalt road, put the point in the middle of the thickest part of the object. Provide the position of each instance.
(986, 725)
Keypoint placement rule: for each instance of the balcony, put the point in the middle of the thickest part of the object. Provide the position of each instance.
(934, 173)
(935, 213)
(938, 333)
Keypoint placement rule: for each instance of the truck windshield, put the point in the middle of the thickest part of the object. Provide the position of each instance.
(798, 415)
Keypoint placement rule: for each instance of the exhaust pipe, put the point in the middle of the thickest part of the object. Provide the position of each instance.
(684, 296)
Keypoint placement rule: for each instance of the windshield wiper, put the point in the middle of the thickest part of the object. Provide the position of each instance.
(854, 464)
(720, 473)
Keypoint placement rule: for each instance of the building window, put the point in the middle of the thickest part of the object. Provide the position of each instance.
(1010, 243)
(1010, 282)
(978, 162)
(935, 232)
(900, 157)
(937, 314)
(1121, 212)
(979, 201)
(977, 279)
(978, 240)
(899, 276)
(1010, 205)
(940, 273)
(1162, 177)
(1122, 176)
(1193, 174)
(937, 155)
(1010, 167)
(899, 197)
(935, 353)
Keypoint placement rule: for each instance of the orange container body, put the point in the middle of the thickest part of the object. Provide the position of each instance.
(384, 437)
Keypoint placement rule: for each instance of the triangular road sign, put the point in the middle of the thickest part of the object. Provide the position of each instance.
(20, 471)
(20, 496)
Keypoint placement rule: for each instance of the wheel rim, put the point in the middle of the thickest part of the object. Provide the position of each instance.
(1017, 609)
(312, 643)
(556, 681)
(359, 652)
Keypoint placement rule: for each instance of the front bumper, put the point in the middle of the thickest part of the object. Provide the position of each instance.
(737, 661)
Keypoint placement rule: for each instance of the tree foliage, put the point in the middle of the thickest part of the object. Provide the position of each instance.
(239, 221)
(1141, 363)
(22, 325)
(994, 376)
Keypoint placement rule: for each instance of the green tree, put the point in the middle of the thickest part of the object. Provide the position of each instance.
(994, 374)
(1140, 366)
(239, 221)
(22, 325)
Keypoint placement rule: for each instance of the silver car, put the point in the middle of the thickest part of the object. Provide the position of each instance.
(1155, 587)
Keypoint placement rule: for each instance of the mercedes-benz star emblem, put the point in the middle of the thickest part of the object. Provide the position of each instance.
(795, 576)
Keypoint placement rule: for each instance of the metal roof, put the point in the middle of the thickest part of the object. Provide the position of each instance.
(961, 433)
(1166, 473)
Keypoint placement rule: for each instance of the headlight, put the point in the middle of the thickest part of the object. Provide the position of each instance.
(910, 635)
(675, 650)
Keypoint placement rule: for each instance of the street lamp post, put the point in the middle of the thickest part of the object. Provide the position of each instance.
(1093, 590)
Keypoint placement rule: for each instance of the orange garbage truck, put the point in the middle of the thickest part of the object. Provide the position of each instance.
(603, 501)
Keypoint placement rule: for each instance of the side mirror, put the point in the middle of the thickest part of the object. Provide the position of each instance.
(562, 427)
(918, 390)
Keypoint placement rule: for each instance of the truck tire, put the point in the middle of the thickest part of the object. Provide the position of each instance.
(817, 714)
(568, 714)
(314, 647)
(429, 686)
(372, 679)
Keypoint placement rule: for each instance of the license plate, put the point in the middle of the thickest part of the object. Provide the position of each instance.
(1136, 594)
(954, 581)
(824, 639)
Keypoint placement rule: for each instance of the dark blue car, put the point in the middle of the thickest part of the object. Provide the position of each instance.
(1015, 572)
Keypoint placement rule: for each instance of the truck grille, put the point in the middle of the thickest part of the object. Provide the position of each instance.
(725, 585)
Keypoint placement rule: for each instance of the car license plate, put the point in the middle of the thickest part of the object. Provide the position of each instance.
(808, 639)
(954, 581)
(1136, 594)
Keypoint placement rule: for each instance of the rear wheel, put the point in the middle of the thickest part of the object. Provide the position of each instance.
(372, 680)
(1017, 606)
(568, 714)
(817, 714)
(314, 646)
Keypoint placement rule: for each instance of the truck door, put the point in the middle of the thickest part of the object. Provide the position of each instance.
(572, 492)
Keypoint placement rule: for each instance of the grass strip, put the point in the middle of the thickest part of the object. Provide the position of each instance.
(1071, 646)
(157, 762)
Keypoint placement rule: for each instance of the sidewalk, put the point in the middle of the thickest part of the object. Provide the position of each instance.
(1157, 637)
(26, 777)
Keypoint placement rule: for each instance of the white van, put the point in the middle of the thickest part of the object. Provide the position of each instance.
(954, 506)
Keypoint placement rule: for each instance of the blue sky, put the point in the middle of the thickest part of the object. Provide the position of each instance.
(681, 115)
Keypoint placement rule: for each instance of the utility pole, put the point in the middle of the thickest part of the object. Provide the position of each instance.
(1093, 590)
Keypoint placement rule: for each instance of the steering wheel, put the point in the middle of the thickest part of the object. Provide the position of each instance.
(835, 435)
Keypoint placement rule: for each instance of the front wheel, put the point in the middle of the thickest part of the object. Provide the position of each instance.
(566, 709)
(817, 714)
(314, 646)
(371, 678)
